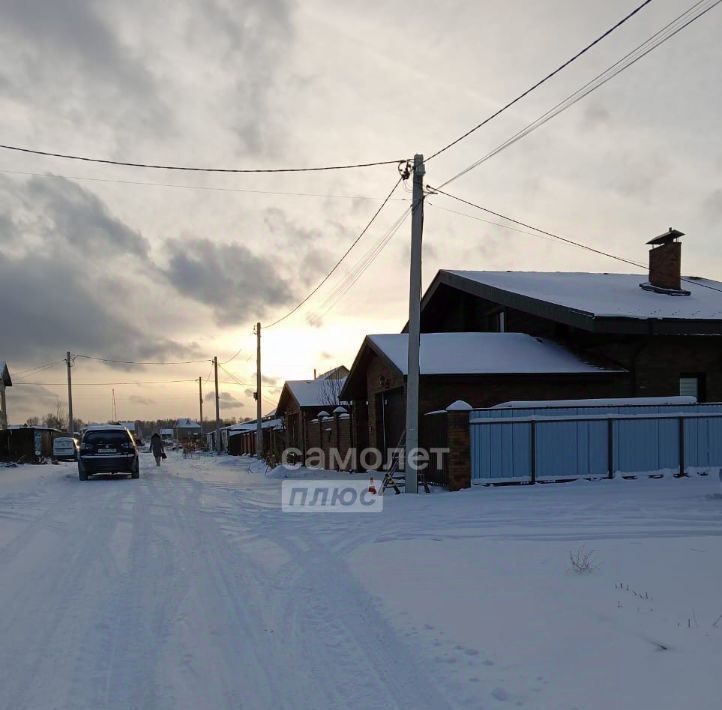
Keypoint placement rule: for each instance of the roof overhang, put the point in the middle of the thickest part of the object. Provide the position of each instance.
(582, 320)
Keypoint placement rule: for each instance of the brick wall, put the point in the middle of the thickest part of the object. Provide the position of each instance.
(665, 265)
(379, 378)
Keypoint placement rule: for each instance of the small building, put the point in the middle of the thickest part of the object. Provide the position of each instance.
(187, 430)
(167, 435)
(241, 438)
(28, 444)
(302, 400)
(5, 381)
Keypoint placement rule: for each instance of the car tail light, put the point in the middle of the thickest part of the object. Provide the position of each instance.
(86, 447)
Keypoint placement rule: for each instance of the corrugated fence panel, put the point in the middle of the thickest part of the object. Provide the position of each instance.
(501, 451)
(646, 445)
(647, 441)
(571, 449)
(703, 442)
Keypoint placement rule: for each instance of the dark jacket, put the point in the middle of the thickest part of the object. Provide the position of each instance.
(156, 445)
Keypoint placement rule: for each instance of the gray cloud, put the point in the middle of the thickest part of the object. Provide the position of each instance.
(78, 216)
(238, 285)
(225, 400)
(253, 39)
(77, 59)
(61, 287)
(137, 399)
(30, 400)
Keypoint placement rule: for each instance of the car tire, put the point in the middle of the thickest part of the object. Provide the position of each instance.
(82, 473)
(135, 473)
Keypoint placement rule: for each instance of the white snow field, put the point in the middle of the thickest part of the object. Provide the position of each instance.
(189, 588)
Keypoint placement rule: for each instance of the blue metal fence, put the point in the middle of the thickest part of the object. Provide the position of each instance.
(546, 444)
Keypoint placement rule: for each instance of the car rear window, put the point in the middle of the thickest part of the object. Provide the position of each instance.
(108, 438)
(63, 441)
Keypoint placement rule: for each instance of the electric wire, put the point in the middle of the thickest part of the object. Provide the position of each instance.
(566, 240)
(136, 362)
(640, 51)
(104, 384)
(541, 81)
(338, 263)
(47, 365)
(357, 271)
(193, 187)
(186, 168)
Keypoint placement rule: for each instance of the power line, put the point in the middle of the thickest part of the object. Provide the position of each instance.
(135, 362)
(233, 357)
(660, 37)
(186, 168)
(566, 240)
(338, 263)
(540, 82)
(104, 384)
(360, 267)
(192, 187)
(47, 365)
(235, 379)
(486, 221)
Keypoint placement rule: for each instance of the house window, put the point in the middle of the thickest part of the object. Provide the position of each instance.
(692, 385)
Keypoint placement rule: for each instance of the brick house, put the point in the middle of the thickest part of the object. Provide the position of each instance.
(664, 330)
(301, 401)
(618, 335)
(480, 368)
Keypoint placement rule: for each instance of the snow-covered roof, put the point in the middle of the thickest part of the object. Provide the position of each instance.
(483, 353)
(166, 432)
(5, 374)
(251, 426)
(315, 393)
(105, 427)
(606, 295)
(609, 402)
(187, 424)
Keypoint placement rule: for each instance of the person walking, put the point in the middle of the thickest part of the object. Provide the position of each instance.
(156, 447)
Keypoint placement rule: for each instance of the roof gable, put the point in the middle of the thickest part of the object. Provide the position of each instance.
(472, 354)
(5, 374)
(592, 301)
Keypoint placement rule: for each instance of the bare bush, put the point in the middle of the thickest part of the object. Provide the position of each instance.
(582, 560)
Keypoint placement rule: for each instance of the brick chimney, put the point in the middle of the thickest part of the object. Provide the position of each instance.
(665, 264)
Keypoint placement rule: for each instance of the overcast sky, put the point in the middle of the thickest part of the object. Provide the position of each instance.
(96, 260)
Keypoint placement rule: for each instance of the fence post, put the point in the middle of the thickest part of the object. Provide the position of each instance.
(533, 452)
(682, 470)
(610, 448)
(459, 445)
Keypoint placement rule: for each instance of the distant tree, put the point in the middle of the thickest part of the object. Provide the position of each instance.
(53, 421)
(32, 421)
(331, 392)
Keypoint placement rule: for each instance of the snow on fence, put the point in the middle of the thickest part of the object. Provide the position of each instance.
(550, 444)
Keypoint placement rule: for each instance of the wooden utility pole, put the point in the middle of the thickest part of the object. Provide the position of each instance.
(200, 402)
(218, 407)
(259, 426)
(69, 363)
(412, 378)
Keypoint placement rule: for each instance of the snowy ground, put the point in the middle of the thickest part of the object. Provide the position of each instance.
(191, 589)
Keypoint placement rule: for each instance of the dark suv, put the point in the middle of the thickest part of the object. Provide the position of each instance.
(107, 449)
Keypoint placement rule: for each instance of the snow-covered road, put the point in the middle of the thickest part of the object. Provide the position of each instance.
(189, 588)
(178, 591)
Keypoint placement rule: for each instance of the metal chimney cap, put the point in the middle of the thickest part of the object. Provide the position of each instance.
(667, 237)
